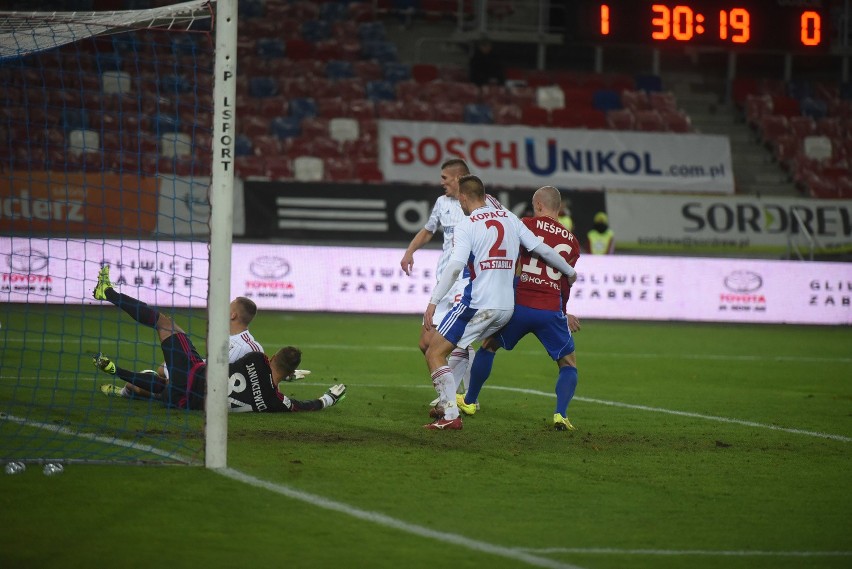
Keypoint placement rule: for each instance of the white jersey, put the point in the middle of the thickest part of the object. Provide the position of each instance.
(239, 345)
(242, 344)
(488, 242)
(447, 213)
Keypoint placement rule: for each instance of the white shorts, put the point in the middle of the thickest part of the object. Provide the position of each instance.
(464, 325)
(449, 300)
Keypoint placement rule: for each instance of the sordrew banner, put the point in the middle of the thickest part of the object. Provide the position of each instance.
(369, 280)
(729, 225)
(534, 157)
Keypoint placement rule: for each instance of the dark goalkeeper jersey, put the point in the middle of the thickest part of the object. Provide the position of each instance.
(251, 386)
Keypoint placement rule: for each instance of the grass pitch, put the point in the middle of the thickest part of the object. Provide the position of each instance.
(697, 446)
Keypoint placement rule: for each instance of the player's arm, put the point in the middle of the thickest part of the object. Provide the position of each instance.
(423, 236)
(334, 395)
(445, 282)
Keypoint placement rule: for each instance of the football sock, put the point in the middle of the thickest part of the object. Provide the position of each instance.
(479, 372)
(471, 354)
(146, 380)
(458, 362)
(137, 309)
(445, 385)
(566, 383)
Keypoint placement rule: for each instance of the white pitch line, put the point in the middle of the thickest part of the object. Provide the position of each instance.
(684, 552)
(689, 414)
(92, 437)
(393, 523)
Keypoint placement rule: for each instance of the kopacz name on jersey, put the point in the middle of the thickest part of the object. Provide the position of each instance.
(489, 264)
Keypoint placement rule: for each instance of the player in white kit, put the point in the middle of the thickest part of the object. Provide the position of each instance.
(446, 214)
(487, 241)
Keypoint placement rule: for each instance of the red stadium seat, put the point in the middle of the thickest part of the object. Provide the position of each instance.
(507, 114)
(424, 72)
(649, 121)
(368, 171)
(620, 119)
(534, 116)
(250, 166)
(676, 121)
(449, 112)
(279, 168)
(339, 170)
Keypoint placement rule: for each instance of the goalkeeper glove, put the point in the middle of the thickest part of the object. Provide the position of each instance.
(334, 395)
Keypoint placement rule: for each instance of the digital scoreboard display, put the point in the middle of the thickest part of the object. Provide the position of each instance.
(788, 25)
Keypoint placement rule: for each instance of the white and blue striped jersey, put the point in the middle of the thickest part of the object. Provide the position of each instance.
(488, 241)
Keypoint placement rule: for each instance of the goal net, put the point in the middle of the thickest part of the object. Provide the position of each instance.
(105, 160)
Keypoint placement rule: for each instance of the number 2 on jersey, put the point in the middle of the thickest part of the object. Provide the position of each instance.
(496, 250)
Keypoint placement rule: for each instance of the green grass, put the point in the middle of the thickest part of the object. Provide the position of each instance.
(634, 476)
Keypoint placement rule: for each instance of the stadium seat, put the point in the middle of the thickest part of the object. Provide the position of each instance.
(350, 89)
(606, 100)
(416, 111)
(299, 49)
(331, 107)
(395, 72)
(371, 31)
(286, 127)
(368, 70)
(817, 147)
(252, 125)
(269, 47)
(381, 91)
(478, 114)
(662, 100)
(620, 119)
(339, 69)
(344, 129)
(315, 30)
(648, 121)
(801, 126)
(116, 83)
(263, 86)
(785, 106)
(314, 127)
(772, 126)
(676, 121)
(174, 144)
(409, 91)
(424, 72)
(495, 95)
(83, 141)
(72, 119)
(250, 166)
(164, 122)
(368, 171)
(324, 147)
(534, 116)
(361, 109)
(303, 108)
(266, 145)
(333, 11)
(550, 97)
(339, 170)
(308, 169)
(243, 146)
(448, 112)
(381, 51)
(391, 110)
(271, 107)
(279, 168)
(814, 108)
(635, 100)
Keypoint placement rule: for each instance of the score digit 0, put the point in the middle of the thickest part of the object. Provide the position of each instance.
(810, 28)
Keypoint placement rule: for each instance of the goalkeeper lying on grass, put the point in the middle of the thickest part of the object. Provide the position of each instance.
(254, 378)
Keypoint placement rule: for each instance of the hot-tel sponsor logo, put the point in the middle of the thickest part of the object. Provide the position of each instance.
(619, 286)
(381, 279)
(28, 272)
(742, 292)
(269, 272)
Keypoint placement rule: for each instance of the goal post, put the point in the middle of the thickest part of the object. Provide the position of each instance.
(221, 224)
(115, 150)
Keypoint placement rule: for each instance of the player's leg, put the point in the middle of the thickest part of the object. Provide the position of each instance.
(507, 338)
(481, 329)
(146, 380)
(554, 335)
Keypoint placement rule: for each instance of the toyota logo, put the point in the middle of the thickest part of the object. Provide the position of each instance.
(743, 281)
(272, 268)
(27, 260)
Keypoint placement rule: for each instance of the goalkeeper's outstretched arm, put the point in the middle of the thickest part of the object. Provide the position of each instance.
(334, 395)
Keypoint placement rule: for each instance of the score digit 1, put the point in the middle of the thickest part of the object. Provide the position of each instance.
(604, 20)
